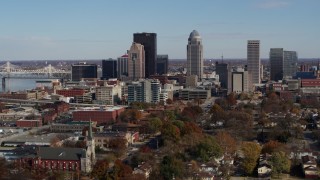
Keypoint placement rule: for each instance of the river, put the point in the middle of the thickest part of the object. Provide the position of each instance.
(21, 84)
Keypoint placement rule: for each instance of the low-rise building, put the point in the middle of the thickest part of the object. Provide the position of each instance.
(29, 123)
(103, 138)
(190, 94)
(309, 167)
(101, 115)
(74, 126)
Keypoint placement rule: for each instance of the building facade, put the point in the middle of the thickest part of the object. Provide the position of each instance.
(195, 55)
(136, 61)
(276, 64)
(149, 41)
(100, 115)
(109, 69)
(162, 64)
(222, 70)
(155, 90)
(239, 81)
(253, 62)
(83, 70)
(290, 61)
(122, 66)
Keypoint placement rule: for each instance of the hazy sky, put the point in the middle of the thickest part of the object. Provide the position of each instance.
(98, 29)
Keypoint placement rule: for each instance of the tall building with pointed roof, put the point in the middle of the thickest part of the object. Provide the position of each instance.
(195, 55)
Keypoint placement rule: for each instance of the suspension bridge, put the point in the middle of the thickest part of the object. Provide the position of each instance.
(9, 70)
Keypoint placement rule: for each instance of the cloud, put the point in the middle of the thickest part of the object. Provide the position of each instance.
(272, 4)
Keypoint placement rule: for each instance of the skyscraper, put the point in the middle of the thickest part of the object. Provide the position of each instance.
(195, 55)
(253, 61)
(162, 64)
(83, 70)
(276, 64)
(290, 61)
(122, 66)
(136, 61)
(149, 41)
(109, 68)
(222, 70)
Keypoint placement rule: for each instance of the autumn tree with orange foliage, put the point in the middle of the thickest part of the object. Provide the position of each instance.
(227, 143)
(100, 169)
(273, 146)
(231, 99)
(130, 115)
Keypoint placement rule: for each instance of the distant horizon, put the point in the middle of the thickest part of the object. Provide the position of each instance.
(175, 59)
(80, 29)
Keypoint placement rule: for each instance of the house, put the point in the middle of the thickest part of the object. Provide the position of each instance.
(309, 167)
(144, 169)
(57, 158)
(264, 167)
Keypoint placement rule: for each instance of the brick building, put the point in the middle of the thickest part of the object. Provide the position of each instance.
(59, 107)
(29, 123)
(101, 116)
(70, 92)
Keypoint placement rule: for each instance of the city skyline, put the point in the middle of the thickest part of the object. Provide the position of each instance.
(47, 30)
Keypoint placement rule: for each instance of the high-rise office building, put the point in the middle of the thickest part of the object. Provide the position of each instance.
(155, 90)
(162, 64)
(290, 61)
(149, 41)
(109, 68)
(276, 64)
(83, 70)
(195, 55)
(136, 61)
(253, 61)
(122, 66)
(222, 70)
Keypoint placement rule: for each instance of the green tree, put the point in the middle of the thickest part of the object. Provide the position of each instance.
(170, 132)
(171, 167)
(280, 163)
(207, 149)
(251, 152)
(155, 125)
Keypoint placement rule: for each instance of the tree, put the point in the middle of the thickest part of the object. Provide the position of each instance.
(171, 167)
(217, 113)
(169, 101)
(251, 152)
(170, 132)
(227, 143)
(119, 145)
(130, 115)
(272, 146)
(280, 163)
(155, 125)
(191, 128)
(100, 169)
(54, 142)
(207, 149)
(231, 99)
(3, 168)
(121, 170)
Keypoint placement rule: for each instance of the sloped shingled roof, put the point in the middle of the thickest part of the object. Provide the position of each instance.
(51, 153)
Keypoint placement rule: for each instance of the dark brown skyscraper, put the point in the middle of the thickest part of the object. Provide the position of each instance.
(149, 41)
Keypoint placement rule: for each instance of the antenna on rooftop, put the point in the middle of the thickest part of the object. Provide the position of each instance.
(222, 57)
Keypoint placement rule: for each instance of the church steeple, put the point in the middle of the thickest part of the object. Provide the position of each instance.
(90, 137)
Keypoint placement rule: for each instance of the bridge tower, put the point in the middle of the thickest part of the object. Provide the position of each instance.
(49, 70)
(7, 70)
